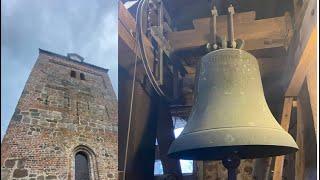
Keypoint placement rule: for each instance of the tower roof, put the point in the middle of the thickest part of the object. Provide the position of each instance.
(72, 57)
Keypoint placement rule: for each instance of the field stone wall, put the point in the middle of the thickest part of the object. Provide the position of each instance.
(56, 114)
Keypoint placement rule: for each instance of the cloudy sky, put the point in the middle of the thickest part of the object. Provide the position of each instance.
(88, 28)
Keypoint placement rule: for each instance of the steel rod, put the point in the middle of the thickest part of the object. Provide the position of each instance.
(232, 43)
(214, 13)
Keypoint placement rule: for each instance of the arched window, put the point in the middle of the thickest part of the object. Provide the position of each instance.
(82, 166)
(84, 163)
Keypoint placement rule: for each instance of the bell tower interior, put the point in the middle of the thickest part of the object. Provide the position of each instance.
(161, 44)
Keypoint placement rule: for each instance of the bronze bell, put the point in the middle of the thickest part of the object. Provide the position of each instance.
(230, 115)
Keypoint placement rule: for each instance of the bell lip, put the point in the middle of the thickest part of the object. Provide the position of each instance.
(248, 139)
(185, 155)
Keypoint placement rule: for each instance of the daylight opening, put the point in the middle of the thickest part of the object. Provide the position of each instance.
(186, 165)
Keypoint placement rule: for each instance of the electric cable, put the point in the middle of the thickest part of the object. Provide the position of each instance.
(130, 111)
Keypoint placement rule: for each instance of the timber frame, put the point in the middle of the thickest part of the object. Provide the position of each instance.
(283, 40)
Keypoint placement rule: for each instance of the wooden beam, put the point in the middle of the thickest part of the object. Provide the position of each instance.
(262, 168)
(300, 155)
(204, 23)
(285, 122)
(166, 47)
(297, 51)
(180, 110)
(200, 169)
(308, 155)
(258, 34)
(126, 31)
(125, 17)
(165, 136)
(300, 8)
(312, 89)
(140, 149)
(137, 159)
(308, 55)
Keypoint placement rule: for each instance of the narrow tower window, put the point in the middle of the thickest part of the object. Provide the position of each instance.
(81, 166)
(78, 112)
(73, 74)
(107, 111)
(82, 76)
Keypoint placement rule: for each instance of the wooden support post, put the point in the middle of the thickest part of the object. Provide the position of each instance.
(161, 64)
(300, 155)
(302, 49)
(285, 121)
(306, 162)
(142, 135)
(165, 137)
(312, 89)
(308, 55)
(135, 159)
(262, 168)
(126, 30)
(200, 170)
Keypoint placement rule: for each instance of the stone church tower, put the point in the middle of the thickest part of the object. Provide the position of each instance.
(65, 124)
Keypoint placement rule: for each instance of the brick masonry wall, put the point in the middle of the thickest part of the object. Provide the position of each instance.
(56, 114)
